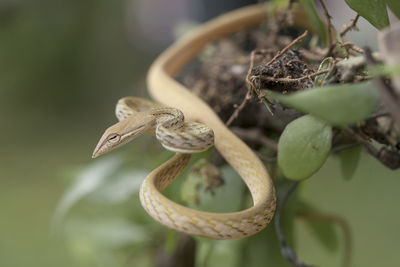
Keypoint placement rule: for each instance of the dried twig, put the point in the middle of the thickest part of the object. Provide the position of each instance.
(251, 85)
(388, 96)
(286, 250)
(329, 25)
(349, 45)
(286, 48)
(353, 25)
(387, 157)
(294, 80)
(255, 135)
(250, 89)
(239, 108)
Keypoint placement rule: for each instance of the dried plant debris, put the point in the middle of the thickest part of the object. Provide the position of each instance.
(287, 68)
(232, 73)
(219, 74)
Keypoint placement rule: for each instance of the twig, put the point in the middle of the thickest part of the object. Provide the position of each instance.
(348, 243)
(339, 148)
(251, 85)
(267, 159)
(286, 48)
(349, 45)
(329, 25)
(389, 98)
(370, 148)
(286, 250)
(239, 108)
(387, 157)
(250, 88)
(255, 135)
(293, 80)
(353, 25)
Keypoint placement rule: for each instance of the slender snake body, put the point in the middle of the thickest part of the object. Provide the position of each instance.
(138, 116)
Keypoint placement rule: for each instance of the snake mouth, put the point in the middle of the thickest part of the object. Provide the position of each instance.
(105, 145)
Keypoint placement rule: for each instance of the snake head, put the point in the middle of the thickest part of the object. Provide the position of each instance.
(122, 132)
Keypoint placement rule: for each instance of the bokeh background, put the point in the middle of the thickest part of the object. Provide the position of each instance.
(63, 66)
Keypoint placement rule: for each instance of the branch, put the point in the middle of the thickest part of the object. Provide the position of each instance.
(293, 80)
(251, 85)
(353, 25)
(387, 157)
(286, 250)
(286, 48)
(255, 135)
(329, 25)
(389, 98)
(239, 108)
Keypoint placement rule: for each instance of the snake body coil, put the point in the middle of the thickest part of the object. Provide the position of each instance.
(138, 116)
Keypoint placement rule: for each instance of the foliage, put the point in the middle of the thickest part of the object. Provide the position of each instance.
(375, 10)
(337, 104)
(303, 147)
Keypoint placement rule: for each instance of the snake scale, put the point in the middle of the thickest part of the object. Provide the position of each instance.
(138, 116)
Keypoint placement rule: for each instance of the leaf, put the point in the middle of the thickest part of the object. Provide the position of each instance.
(111, 232)
(221, 253)
(384, 70)
(87, 181)
(372, 10)
(324, 231)
(337, 104)
(278, 4)
(303, 147)
(318, 25)
(394, 6)
(349, 159)
(121, 187)
(323, 66)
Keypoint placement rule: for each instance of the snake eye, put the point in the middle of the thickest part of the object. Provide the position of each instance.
(113, 138)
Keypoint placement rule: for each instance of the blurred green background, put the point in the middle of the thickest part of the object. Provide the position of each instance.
(63, 66)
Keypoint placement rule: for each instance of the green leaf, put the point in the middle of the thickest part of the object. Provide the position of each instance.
(279, 3)
(337, 104)
(349, 159)
(90, 179)
(372, 10)
(120, 188)
(110, 232)
(384, 70)
(394, 5)
(323, 66)
(323, 231)
(303, 147)
(317, 23)
(221, 253)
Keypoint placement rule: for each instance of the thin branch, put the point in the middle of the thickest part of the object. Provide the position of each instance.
(293, 80)
(389, 98)
(348, 243)
(339, 148)
(286, 250)
(390, 159)
(286, 48)
(349, 45)
(251, 85)
(239, 108)
(353, 25)
(267, 159)
(329, 25)
(250, 89)
(255, 135)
